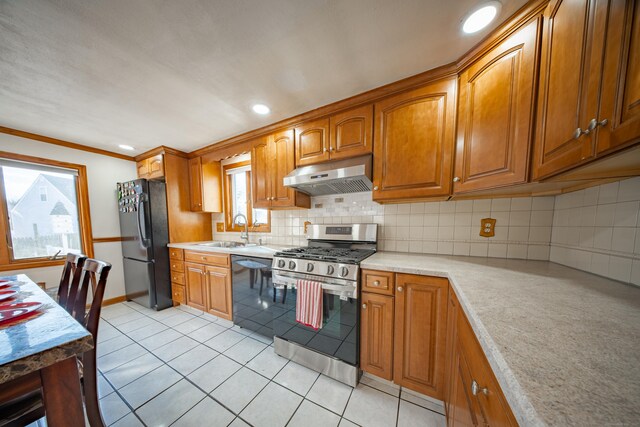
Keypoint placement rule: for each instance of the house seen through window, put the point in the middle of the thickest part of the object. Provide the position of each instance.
(41, 206)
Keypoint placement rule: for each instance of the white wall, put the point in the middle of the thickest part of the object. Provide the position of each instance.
(103, 172)
(598, 230)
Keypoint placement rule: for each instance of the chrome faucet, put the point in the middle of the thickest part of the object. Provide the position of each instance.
(244, 235)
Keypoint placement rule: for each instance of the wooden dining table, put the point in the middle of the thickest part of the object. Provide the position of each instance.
(47, 344)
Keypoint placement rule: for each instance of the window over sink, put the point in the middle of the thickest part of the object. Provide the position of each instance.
(237, 199)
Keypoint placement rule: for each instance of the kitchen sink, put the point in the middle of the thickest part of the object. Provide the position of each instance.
(226, 244)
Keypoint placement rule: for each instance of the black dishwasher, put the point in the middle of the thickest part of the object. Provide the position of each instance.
(253, 294)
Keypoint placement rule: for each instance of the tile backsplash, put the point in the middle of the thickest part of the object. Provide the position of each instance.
(596, 229)
(523, 227)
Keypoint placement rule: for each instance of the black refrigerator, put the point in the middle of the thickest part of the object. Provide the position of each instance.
(145, 235)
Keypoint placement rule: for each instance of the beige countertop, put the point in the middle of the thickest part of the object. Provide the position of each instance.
(260, 251)
(564, 344)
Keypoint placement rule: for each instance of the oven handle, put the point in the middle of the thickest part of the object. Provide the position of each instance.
(279, 282)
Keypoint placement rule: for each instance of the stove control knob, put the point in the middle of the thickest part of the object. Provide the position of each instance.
(310, 267)
(292, 265)
(281, 263)
(344, 271)
(330, 269)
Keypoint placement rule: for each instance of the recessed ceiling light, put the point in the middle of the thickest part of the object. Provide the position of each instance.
(261, 109)
(126, 147)
(481, 17)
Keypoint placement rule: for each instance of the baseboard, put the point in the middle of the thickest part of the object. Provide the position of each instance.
(115, 300)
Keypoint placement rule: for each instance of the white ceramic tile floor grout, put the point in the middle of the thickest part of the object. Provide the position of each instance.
(193, 400)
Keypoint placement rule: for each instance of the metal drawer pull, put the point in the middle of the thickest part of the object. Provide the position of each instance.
(399, 288)
(364, 306)
(475, 388)
(376, 283)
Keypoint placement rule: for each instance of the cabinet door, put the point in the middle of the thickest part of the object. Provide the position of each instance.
(219, 301)
(620, 104)
(495, 115)
(420, 333)
(195, 184)
(413, 143)
(196, 288)
(488, 400)
(211, 178)
(570, 71)
(261, 173)
(463, 411)
(143, 168)
(350, 133)
(284, 162)
(156, 167)
(450, 368)
(312, 142)
(376, 335)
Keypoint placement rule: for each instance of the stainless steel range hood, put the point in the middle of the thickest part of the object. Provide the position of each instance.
(337, 177)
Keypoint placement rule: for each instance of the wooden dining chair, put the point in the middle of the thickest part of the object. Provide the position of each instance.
(25, 405)
(71, 265)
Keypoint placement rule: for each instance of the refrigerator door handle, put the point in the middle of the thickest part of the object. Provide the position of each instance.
(144, 243)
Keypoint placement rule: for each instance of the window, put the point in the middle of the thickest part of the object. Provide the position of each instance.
(238, 199)
(44, 206)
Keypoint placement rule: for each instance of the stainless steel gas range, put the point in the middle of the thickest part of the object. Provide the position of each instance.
(332, 257)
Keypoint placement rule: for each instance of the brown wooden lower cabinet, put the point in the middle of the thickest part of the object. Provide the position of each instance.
(196, 285)
(420, 333)
(219, 292)
(208, 283)
(421, 339)
(475, 398)
(178, 294)
(376, 335)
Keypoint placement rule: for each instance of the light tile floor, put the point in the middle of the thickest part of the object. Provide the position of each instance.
(182, 367)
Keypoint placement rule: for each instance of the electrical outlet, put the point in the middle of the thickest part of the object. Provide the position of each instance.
(487, 227)
(220, 227)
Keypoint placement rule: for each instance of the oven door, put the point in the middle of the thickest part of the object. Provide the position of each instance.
(338, 336)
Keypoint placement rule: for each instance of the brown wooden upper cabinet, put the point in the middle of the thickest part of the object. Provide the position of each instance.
(413, 143)
(495, 114)
(343, 135)
(273, 158)
(205, 178)
(589, 99)
(151, 168)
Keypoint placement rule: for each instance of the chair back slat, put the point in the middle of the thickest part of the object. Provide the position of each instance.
(67, 288)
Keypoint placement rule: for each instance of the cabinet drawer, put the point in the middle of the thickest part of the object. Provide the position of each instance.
(177, 277)
(178, 294)
(177, 254)
(207, 258)
(177, 266)
(380, 282)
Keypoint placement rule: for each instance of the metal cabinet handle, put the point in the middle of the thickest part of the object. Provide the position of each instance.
(376, 283)
(456, 179)
(594, 123)
(204, 258)
(475, 388)
(364, 306)
(331, 149)
(375, 188)
(399, 288)
(324, 150)
(579, 132)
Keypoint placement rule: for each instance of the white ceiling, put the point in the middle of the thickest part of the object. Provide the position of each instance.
(186, 73)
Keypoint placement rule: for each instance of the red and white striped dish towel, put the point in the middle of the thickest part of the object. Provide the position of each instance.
(309, 303)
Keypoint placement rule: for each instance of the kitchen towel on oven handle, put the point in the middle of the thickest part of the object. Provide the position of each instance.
(309, 303)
